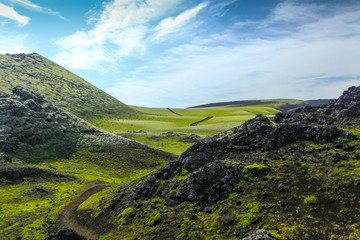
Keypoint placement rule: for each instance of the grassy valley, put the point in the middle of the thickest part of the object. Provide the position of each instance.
(172, 131)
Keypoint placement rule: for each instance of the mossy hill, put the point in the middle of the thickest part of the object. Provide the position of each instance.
(63, 88)
(294, 176)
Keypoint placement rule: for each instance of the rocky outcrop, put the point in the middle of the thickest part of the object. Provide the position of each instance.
(15, 174)
(28, 119)
(210, 183)
(65, 234)
(31, 127)
(347, 105)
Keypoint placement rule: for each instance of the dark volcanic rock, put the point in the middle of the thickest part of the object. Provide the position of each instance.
(210, 183)
(18, 174)
(23, 120)
(347, 105)
(65, 234)
(27, 94)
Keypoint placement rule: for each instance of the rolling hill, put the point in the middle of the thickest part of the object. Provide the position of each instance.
(63, 88)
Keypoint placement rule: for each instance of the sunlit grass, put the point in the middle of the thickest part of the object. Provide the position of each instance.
(162, 120)
(155, 121)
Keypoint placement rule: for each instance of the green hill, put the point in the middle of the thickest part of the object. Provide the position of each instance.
(63, 88)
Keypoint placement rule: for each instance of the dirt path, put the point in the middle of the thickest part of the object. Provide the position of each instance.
(69, 218)
(205, 119)
(173, 112)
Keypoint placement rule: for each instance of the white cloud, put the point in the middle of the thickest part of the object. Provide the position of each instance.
(10, 13)
(140, 70)
(171, 25)
(124, 28)
(317, 59)
(32, 6)
(292, 12)
(220, 9)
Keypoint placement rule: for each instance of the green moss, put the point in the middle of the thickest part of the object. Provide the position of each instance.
(154, 219)
(310, 199)
(94, 201)
(172, 144)
(192, 236)
(184, 172)
(256, 170)
(128, 213)
(250, 212)
(212, 223)
(181, 236)
(172, 193)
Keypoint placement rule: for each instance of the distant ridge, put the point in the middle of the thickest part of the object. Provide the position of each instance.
(313, 103)
(280, 104)
(234, 103)
(60, 86)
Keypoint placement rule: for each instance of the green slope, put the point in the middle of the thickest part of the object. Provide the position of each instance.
(60, 86)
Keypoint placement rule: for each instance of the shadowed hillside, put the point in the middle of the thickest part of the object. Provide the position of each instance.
(60, 86)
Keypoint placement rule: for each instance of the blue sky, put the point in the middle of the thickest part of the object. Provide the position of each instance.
(180, 53)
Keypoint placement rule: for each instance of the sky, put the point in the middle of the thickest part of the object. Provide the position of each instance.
(182, 53)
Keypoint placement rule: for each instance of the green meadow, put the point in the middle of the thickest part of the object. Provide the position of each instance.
(160, 128)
